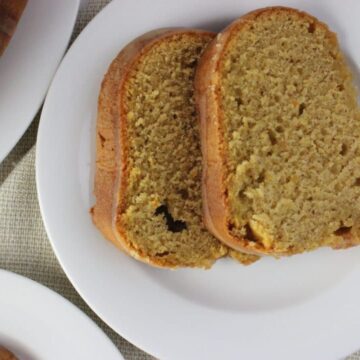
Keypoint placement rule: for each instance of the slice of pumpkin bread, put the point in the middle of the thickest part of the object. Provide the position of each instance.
(280, 135)
(148, 176)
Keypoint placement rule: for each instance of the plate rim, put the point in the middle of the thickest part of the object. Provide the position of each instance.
(31, 116)
(59, 300)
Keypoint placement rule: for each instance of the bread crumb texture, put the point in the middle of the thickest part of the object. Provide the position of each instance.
(291, 134)
(162, 212)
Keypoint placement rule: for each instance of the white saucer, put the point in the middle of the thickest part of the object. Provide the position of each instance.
(29, 63)
(38, 324)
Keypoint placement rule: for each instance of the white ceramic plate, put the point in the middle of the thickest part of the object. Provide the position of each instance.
(37, 323)
(29, 63)
(304, 307)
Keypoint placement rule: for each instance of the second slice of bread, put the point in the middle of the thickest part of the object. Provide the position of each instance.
(148, 173)
(280, 135)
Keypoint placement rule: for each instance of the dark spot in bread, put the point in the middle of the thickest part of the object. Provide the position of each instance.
(162, 254)
(272, 137)
(102, 140)
(184, 193)
(173, 225)
(279, 129)
(343, 230)
(344, 149)
(238, 101)
(249, 234)
(261, 177)
(301, 108)
(311, 28)
(193, 63)
(231, 226)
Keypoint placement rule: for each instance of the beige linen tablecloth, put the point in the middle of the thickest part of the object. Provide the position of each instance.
(24, 246)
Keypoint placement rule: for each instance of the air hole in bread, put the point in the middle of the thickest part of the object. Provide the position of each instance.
(238, 101)
(172, 224)
(311, 28)
(343, 230)
(102, 140)
(341, 87)
(357, 182)
(261, 177)
(184, 193)
(272, 137)
(198, 50)
(249, 234)
(162, 254)
(344, 149)
(301, 108)
(241, 196)
(193, 63)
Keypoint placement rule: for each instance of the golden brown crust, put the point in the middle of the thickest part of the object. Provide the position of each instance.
(10, 13)
(216, 211)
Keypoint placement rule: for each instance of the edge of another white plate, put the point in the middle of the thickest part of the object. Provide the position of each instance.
(25, 114)
(24, 300)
